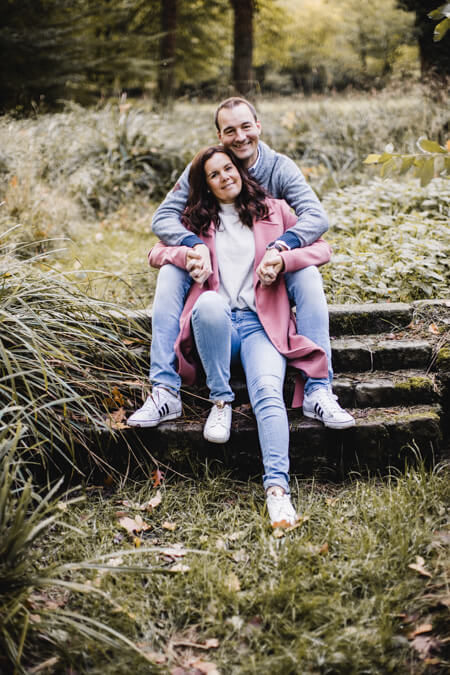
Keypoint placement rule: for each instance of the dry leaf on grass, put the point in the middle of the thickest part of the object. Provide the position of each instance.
(419, 566)
(134, 525)
(210, 643)
(205, 667)
(115, 419)
(154, 501)
(157, 477)
(432, 328)
(169, 526)
(423, 628)
(425, 644)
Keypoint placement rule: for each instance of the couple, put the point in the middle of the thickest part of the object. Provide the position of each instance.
(232, 260)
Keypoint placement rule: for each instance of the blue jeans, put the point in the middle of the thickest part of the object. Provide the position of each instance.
(222, 337)
(305, 291)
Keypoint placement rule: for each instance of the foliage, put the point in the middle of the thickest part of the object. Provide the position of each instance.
(389, 242)
(440, 30)
(433, 160)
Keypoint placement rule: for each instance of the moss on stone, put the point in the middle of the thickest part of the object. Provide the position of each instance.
(418, 382)
(443, 358)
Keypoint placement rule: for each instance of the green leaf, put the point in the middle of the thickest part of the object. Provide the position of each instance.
(372, 159)
(430, 146)
(440, 12)
(407, 163)
(425, 171)
(440, 30)
(388, 167)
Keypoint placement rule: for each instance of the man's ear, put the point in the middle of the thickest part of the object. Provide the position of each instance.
(219, 135)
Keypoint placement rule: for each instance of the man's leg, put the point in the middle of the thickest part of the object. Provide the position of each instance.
(164, 403)
(172, 287)
(305, 289)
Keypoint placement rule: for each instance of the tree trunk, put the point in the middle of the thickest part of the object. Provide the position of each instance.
(166, 73)
(242, 75)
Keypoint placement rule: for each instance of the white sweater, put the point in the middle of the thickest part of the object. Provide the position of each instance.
(235, 248)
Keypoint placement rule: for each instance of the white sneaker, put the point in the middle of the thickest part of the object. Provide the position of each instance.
(218, 424)
(279, 506)
(160, 406)
(322, 405)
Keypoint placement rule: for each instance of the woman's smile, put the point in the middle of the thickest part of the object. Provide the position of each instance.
(223, 178)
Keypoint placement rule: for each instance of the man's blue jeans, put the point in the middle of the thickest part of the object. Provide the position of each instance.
(222, 337)
(305, 291)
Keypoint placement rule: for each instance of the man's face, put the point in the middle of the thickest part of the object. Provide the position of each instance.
(239, 132)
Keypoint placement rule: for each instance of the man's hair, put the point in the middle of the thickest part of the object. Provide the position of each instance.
(232, 102)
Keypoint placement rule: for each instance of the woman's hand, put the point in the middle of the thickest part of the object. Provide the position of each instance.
(270, 267)
(198, 263)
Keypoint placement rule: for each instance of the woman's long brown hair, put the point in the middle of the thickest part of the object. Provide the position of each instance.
(202, 207)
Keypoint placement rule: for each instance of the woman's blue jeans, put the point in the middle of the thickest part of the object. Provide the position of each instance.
(305, 290)
(223, 337)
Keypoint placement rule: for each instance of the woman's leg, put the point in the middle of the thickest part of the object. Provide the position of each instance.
(265, 369)
(211, 325)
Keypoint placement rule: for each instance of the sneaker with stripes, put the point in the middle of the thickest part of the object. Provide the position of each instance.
(162, 405)
(322, 405)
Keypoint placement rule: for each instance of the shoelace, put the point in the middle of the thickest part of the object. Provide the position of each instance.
(220, 414)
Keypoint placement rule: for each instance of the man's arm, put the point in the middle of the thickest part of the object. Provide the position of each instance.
(166, 222)
(290, 184)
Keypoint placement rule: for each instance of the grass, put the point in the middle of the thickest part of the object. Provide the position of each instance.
(335, 595)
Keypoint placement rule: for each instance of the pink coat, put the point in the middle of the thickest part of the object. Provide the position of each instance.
(272, 302)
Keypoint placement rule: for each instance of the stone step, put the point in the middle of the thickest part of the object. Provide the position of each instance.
(354, 390)
(362, 319)
(381, 438)
(371, 353)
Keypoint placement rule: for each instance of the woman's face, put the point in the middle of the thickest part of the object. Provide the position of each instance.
(223, 178)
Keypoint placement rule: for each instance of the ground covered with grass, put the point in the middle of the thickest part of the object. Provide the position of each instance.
(191, 575)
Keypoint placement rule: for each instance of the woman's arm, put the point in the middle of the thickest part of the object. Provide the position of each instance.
(161, 255)
(316, 254)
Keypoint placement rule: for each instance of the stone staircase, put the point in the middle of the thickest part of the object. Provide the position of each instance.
(392, 371)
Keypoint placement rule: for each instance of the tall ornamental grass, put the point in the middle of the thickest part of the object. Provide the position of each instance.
(61, 351)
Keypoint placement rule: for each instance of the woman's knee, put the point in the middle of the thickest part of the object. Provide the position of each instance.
(210, 308)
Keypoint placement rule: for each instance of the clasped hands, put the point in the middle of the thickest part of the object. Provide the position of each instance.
(198, 264)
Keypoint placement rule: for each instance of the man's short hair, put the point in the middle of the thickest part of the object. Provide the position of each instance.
(232, 102)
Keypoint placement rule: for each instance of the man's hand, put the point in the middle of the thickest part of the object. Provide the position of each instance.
(270, 267)
(198, 263)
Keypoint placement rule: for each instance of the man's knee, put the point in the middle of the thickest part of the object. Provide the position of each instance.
(172, 282)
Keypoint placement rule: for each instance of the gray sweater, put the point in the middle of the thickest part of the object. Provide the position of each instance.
(282, 179)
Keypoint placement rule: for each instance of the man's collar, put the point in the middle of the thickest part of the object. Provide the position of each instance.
(252, 168)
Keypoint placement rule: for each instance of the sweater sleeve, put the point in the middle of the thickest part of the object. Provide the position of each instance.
(166, 222)
(161, 255)
(291, 186)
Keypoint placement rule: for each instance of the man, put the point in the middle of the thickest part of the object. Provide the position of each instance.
(239, 129)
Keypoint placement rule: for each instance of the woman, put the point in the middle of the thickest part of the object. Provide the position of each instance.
(232, 314)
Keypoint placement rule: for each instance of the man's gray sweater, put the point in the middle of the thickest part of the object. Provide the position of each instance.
(282, 179)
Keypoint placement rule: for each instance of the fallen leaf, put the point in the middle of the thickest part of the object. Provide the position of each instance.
(210, 643)
(158, 477)
(424, 644)
(169, 526)
(235, 535)
(206, 667)
(419, 566)
(432, 328)
(154, 502)
(423, 628)
(240, 556)
(137, 542)
(133, 525)
(279, 532)
(153, 657)
(175, 551)
(324, 549)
